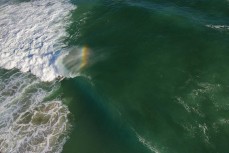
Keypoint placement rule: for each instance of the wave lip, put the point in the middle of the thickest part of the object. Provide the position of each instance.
(31, 36)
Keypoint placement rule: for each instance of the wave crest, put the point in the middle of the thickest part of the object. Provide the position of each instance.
(31, 36)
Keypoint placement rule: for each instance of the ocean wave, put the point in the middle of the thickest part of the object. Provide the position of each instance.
(29, 120)
(31, 36)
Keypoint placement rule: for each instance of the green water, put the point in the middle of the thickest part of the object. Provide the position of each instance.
(156, 78)
(159, 77)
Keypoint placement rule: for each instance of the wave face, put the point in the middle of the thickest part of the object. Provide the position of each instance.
(31, 121)
(31, 36)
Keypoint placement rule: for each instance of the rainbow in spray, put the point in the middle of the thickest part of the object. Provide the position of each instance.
(84, 54)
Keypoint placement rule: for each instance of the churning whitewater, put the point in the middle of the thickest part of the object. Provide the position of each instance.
(29, 121)
(31, 36)
(31, 40)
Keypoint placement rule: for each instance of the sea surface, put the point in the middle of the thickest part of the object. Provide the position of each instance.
(114, 76)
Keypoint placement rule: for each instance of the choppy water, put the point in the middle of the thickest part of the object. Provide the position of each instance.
(105, 76)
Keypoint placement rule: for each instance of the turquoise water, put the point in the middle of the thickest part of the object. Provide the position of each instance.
(155, 79)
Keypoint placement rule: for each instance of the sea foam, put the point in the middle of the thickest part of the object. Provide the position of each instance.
(218, 27)
(31, 36)
(31, 121)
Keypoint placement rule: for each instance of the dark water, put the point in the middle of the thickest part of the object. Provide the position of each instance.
(158, 77)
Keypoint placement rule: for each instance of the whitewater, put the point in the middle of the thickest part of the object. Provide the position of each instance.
(31, 46)
(32, 34)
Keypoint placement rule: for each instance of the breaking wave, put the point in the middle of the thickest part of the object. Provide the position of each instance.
(31, 36)
(32, 117)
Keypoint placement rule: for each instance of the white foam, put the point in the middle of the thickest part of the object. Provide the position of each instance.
(31, 36)
(147, 144)
(218, 27)
(28, 122)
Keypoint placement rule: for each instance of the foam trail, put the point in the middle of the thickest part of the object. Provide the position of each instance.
(31, 36)
(29, 122)
(218, 27)
(147, 144)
